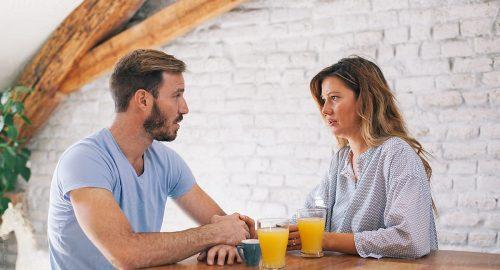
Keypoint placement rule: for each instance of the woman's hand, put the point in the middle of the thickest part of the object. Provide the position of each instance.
(294, 242)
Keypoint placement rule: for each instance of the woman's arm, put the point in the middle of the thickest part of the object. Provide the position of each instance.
(339, 242)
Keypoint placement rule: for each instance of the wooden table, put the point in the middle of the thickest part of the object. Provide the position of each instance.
(442, 259)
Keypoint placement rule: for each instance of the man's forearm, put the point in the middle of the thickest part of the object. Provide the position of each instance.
(153, 249)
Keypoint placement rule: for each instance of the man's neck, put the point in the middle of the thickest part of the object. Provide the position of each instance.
(131, 138)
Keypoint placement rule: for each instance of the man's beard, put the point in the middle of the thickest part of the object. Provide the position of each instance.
(155, 126)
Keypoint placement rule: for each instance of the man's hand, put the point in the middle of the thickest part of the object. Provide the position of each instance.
(251, 226)
(232, 229)
(294, 242)
(221, 252)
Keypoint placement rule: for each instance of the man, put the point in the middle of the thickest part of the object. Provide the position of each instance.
(109, 190)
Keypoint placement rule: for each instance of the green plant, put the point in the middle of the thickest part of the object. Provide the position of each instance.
(13, 154)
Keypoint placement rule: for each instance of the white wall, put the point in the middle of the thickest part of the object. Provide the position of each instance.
(254, 138)
(24, 26)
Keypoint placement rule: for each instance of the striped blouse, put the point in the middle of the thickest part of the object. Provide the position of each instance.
(388, 208)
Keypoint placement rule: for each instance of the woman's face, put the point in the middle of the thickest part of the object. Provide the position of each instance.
(340, 108)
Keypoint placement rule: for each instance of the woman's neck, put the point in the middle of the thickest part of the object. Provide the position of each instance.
(358, 145)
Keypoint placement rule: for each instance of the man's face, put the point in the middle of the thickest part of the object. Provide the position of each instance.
(167, 111)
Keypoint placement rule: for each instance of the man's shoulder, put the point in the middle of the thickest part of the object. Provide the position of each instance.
(92, 145)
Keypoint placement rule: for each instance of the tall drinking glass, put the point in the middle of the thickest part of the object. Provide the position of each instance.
(273, 239)
(311, 223)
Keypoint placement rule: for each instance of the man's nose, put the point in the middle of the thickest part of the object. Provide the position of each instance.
(183, 109)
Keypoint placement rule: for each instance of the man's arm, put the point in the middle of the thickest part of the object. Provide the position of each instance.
(106, 226)
(198, 205)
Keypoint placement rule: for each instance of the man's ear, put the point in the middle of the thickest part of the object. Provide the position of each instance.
(142, 99)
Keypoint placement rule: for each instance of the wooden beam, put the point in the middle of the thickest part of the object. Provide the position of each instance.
(88, 24)
(164, 26)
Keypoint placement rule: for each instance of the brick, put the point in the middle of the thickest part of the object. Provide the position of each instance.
(341, 7)
(441, 183)
(244, 178)
(293, 76)
(301, 180)
(455, 81)
(396, 35)
(420, 32)
(452, 237)
(292, 44)
(457, 48)
(383, 20)
(407, 51)
(427, 67)
(487, 45)
(277, 60)
(304, 59)
(257, 164)
(461, 219)
(445, 31)
(425, 3)
(430, 50)
(343, 24)
(422, 17)
(289, 14)
(244, 76)
(445, 99)
(492, 221)
(475, 98)
(339, 42)
(479, 27)
(273, 210)
(389, 4)
(415, 84)
(463, 167)
(271, 180)
(488, 183)
(260, 194)
(495, 97)
(494, 149)
(457, 12)
(471, 116)
(476, 200)
(444, 201)
(482, 238)
(367, 38)
(461, 132)
(458, 151)
(479, 64)
(488, 167)
(490, 131)
(496, 62)
(385, 53)
(491, 78)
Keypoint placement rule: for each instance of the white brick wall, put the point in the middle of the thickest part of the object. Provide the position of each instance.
(254, 138)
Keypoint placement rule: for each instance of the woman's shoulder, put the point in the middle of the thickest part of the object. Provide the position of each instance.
(396, 145)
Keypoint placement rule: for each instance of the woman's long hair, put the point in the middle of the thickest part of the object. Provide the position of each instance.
(380, 116)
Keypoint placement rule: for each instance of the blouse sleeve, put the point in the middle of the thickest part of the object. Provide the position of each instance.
(406, 217)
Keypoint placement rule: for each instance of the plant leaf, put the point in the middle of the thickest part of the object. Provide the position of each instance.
(4, 203)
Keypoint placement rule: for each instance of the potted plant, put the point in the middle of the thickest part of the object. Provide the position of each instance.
(14, 155)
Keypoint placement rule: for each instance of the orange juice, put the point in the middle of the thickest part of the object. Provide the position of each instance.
(311, 235)
(273, 242)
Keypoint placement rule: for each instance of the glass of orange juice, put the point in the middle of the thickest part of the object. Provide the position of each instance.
(311, 224)
(273, 239)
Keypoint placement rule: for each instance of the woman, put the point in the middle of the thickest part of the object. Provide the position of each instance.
(376, 191)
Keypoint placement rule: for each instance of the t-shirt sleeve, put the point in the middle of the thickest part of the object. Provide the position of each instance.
(181, 179)
(82, 166)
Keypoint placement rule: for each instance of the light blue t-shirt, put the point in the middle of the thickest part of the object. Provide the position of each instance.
(97, 161)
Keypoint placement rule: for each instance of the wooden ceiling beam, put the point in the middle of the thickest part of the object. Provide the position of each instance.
(159, 29)
(87, 25)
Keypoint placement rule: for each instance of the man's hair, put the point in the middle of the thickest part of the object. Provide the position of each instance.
(141, 69)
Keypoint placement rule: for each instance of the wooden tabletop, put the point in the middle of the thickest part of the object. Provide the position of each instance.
(442, 259)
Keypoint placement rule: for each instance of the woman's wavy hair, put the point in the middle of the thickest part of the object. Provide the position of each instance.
(380, 116)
